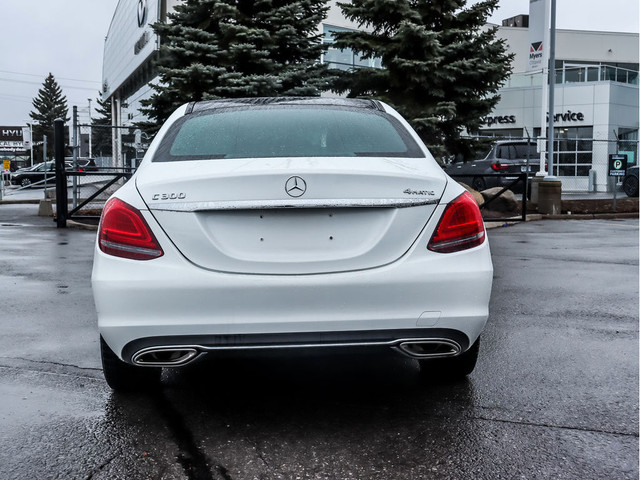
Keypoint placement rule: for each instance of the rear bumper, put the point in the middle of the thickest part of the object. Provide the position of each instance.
(416, 343)
(168, 300)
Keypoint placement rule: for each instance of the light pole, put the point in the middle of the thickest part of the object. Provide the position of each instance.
(550, 189)
(552, 83)
(90, 128)
(31, 135)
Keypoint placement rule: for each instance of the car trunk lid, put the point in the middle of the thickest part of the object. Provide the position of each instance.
(292, 215)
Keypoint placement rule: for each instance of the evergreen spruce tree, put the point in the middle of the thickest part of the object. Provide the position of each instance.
(49, 105)
(238, 48)
(101, 125)
(442, 66)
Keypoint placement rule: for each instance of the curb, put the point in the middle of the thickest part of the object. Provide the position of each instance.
(30, 201)
(590, 216)
(535, 217)
(18, 202)
(81, 226)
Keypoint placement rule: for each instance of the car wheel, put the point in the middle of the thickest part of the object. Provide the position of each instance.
(478, 184)
(630, 186)
(25, 182)
(124, 377)
(452, 368)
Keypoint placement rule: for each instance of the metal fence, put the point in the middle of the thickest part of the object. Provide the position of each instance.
(90, 191)
(581, 164)
(111, 147)
(98, 159)
(116, 153)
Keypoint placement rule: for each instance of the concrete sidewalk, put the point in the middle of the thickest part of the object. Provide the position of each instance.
(14, 194)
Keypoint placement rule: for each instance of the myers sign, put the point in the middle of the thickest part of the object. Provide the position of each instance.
(538, 53)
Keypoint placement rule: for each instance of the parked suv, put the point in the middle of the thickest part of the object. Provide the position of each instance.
(504, 157)
(84, 164)
(630, 182)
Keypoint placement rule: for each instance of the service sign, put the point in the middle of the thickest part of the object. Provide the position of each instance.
(617, 165)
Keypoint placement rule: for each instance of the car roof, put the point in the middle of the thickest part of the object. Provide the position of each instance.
(266, 101)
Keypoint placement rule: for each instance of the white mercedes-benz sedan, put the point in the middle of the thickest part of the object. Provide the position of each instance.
(289, 223)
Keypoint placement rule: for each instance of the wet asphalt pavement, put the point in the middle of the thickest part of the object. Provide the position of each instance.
(554, 395)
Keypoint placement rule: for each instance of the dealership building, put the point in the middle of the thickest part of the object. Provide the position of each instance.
(596, 101)
(131, 47)
(15, 142)
(596, 86)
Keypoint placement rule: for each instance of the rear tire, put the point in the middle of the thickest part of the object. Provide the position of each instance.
(478, 184)
(452, 368)
(25, 182)
(630, 186)
(123, 377)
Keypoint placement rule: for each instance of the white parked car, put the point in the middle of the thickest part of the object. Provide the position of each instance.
(284, 223)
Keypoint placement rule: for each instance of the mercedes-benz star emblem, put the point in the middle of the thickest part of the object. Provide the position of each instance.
(142, 12)
(295, 186)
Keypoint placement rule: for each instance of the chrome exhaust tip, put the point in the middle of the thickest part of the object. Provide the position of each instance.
(165, 356)
(429, 348)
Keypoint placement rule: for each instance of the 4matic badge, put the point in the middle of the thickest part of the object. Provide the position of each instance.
(410, 191)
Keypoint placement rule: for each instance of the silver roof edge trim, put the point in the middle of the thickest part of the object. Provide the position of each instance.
(276, 204)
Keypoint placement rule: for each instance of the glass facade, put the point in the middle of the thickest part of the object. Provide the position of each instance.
(18, 160)
(502, 133)
(344, 59)
(577, 72)
(568, 71)
(628, 144)
(572, 151)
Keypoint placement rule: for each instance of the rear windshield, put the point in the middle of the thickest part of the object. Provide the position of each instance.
(522, 148)
(286, 131)
(516, 151)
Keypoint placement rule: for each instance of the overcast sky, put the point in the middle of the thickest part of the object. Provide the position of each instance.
(66, 38)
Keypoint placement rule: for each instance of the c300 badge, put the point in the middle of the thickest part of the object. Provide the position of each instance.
(169, 196)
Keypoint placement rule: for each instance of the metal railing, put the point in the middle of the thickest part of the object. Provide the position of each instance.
(580, 163)
(103, 183)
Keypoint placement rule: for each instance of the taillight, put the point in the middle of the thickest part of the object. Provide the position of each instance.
(497, 166)
(460, 227)
(125, 233)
